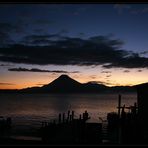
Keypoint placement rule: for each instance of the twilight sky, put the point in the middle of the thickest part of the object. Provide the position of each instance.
(103, 43)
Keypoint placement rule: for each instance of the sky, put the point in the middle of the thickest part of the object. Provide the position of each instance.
(99, 43)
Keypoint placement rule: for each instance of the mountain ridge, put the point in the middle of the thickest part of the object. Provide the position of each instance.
(65, 84)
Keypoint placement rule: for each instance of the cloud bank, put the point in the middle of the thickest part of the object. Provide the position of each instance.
(60, 50)
(40, 70)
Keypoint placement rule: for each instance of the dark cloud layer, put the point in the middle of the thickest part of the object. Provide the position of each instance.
(100, 82)
(7, 84)
(139, 70)
(5, 65)
(59, 50)
(126, 71)
(6, 29)
(39, 70)
(108, 76)
(93, 76)
(106, 72)
(1, 65)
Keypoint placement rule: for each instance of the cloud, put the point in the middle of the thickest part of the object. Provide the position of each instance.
(15, 27)
(80, 10)
(39, 30)
(81, 34)
(7, 84)
(135, 12)
(139, 11)
(143, 53)
(63, 31)
(131, 61)
(122, 7)
(106, 72)
(145, 10)
(36, 39)
(139, 70)
(61, 50)
(40, 84)
(100, 82)
(93, 76)
(3, 65)
(39, 70)
(108, 76)
(5, 38)
(43, 22)
(7, 29)
(126, 71)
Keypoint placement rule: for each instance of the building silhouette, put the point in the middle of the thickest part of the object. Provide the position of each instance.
(142, 100)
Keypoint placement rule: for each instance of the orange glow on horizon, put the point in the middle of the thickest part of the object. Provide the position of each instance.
(114, 77)
(36, 81)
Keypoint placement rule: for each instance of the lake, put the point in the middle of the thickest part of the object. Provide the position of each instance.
(30, 110)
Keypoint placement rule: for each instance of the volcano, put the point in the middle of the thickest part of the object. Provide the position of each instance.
(65, 84)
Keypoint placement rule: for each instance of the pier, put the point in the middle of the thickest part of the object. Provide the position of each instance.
(72, 130)
(123, 126)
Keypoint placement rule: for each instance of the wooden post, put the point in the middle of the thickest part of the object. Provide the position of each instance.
(54, 121)
(119, 126)
(68, 115)
(119, 105)
(80, 117)
(123, 112)
(63, 117)
(59, 118)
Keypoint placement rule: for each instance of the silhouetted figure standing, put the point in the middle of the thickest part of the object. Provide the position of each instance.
(85, 116)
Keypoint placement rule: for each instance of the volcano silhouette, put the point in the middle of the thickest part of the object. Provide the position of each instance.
(65, 84)
(66, 80)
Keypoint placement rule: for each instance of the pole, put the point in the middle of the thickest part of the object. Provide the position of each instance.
(119, 105)
(119, 126)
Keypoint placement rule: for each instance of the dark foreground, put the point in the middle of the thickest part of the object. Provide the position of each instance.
(121, 128)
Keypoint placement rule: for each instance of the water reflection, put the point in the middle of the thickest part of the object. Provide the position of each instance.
(37, 107)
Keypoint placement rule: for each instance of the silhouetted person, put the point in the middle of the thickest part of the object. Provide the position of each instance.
(85, 116)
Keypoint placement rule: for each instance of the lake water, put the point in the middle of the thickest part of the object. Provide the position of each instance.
(30, 110)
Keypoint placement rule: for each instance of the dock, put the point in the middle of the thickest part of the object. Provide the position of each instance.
(69, 130)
